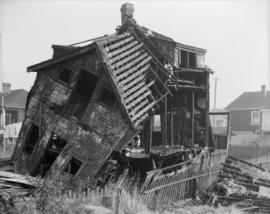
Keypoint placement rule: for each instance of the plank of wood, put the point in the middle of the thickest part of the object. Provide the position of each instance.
(114, 38)
(245, 162)
(129, 85)
(111, 47)
(133, 76)
(141, 119)
(131, 57)
(139, 92)
(143, 111)
(138, 107)
(230, 166)
(138, 99)
(124, 51)
(132, 90)
(131, 64)
(236, 173)
(116, 52)
(130, 71)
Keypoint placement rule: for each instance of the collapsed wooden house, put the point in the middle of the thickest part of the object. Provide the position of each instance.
(134, 96)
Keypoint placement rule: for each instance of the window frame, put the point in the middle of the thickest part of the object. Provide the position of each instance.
(68, 161)
(252, 114)
(70, 77)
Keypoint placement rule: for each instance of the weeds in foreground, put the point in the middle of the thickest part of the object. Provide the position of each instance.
(51, 197)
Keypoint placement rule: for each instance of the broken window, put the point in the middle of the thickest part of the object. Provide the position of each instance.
(32, 138)
(55, 146)
(73, 166)
(184, 58)
(82, 93)
(65, 75)
(192, 59)
(107, 97)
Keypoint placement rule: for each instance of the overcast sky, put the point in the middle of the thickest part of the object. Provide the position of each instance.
(235, 33)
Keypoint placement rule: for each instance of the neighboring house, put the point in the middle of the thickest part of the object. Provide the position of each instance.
(219, 120)
(250, 112)
(14, 104)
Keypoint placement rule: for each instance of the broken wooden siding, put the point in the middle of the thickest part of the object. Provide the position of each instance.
(90, 139)
(128, 63)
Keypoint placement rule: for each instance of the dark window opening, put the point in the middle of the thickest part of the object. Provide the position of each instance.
(86, 83)
(107, 97)
(192, 59)
(32, 138)
(73, 166)
(55, 146)
(82, 93)
(65, 75)
(184, 58)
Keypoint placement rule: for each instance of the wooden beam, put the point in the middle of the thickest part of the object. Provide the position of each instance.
(114, 38)
(124, 51)
(139, 92)
(172, 128)
(134, 75)
(129, 58)
(110, 47)
(133, 89)
(138, 99)
(133, 82)
(144, 110)
(132, 63)
(139, 106)
(131, 70)
(192, 119)
(151, 125)
(141, 119)
(165, 121)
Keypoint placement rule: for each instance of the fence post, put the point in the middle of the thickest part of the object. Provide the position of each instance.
(117, 201)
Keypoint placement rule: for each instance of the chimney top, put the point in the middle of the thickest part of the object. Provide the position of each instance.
(127, 11)
(263, 90)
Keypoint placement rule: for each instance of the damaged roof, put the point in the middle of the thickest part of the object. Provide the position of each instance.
(132, 68)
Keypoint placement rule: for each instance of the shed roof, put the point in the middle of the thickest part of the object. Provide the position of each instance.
(251, 100)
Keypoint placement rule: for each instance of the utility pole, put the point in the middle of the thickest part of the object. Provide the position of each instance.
(2, 93)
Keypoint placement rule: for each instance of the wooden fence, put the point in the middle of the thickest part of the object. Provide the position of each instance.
(252, 152)
(183, 180)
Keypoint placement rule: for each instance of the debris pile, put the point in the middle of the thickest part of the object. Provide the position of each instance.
(243, 184)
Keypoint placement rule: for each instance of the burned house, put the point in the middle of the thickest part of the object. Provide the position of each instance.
(135, 97)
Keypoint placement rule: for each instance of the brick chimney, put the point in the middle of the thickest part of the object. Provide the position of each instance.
(263, 90)
(127, 10)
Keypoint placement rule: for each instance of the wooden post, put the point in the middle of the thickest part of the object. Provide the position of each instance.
(117, 201)
(165, 131)
(151, 124)
(207, 119)
(192, 119)
(172, 128)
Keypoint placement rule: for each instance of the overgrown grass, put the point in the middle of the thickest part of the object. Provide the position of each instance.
(50, 197)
